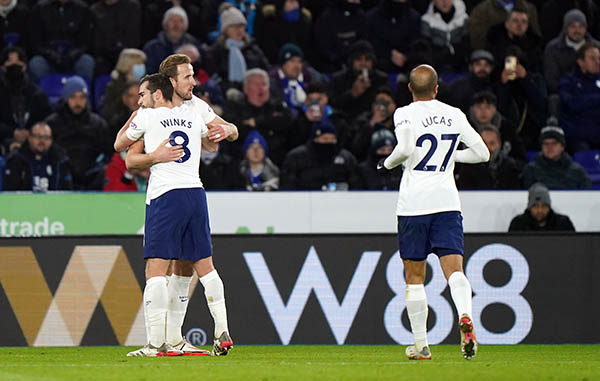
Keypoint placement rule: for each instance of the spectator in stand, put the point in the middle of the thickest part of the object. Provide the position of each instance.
(461, 91)
(22, 101)
(539, 215)
(352, 89)
(258, 170)
(382, 142)
(392, 29)
(203, 13)
(83, 134)
(336, 29)
(39, 165)
(445, 26)
(174, 34)
(289, 79)
(500, 172)
(202, 77)
(128, 104)
(553, 12)
(381, 116)
(220, 171)
(316, 109)
(529, 93)
(580, 100)
(553, 166)
(13, 23)
(484, 112)
(258, 111)
(493, 12)
(130, 67)
(515, 31)
(251, 9)
(117, 25)
(234, 51)
(320, 164)
(284, 21)
(60, 39)
(117, 178)
(559, 56)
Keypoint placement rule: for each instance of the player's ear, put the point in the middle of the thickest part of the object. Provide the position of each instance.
(409, 87)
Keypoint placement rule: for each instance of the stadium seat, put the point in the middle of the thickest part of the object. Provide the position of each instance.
(449, 77)
(99, 87)
(11, 39)
(531, 155)
(52, 84)
(590, 161)
(393, 81)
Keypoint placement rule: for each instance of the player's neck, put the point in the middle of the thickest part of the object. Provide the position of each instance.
(166, 104)
(422, 99)
(177, 101)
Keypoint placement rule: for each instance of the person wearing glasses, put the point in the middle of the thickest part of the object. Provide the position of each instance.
(39, 165)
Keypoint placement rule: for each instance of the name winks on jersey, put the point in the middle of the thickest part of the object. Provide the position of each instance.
(436, 120)
(174, 122)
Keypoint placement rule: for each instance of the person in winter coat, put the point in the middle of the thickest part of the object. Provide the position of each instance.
(539, 215)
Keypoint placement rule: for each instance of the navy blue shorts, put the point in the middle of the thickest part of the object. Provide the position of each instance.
(177, 226)
(439, 233)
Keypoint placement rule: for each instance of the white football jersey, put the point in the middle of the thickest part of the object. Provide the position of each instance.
(206, 112)
(185, 126)
(436, 129)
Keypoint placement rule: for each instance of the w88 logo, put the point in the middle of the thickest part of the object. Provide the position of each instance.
(484, 295)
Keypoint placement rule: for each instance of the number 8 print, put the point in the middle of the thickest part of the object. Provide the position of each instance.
(186, 152)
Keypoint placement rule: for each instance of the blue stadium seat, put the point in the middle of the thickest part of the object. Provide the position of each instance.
(590, 161)
(449, 77)
(99, 87)
(11, 39)
(393, 81)
(531, 155)
(53, 84)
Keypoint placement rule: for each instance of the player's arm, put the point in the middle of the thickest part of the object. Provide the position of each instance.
(123, 141)
(477, 151)
(406, 142)
(210, 145)
(137, 159)
(219, 129)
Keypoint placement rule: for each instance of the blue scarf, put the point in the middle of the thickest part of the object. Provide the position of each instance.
(237, 62)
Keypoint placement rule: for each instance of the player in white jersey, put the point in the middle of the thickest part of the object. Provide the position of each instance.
(429, 213)
(177, 67)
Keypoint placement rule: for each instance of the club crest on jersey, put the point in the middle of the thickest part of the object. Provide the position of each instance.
(436, 120)
(405, 121)
(175, 122)
(133, 125)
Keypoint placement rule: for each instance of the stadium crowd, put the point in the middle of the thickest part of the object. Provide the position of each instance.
(312, 86)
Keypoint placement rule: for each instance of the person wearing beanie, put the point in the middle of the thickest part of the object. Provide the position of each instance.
(539, 215)
(560, 53)
(553, 166)
(290, 78)
(83, 134)
(380, 116)
(282, 22)
(553, 12)
(174, 34)
(233, 52)
(258, 170)
(382, 143)
(320, 164)
(353, 89)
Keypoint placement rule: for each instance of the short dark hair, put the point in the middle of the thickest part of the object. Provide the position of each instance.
(316, 87)
(160, 82)
(169, 65)
(13, 49)
(584, 48)
(485, 97)
(490, 128)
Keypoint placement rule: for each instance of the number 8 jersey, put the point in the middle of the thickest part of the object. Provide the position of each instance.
(428, 134)
(183, 125)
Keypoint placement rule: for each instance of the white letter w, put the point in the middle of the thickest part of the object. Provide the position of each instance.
(312, 277)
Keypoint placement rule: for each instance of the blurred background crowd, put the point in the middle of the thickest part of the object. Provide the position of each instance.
(311, 85)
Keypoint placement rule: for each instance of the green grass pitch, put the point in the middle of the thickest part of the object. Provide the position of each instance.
(350, 362)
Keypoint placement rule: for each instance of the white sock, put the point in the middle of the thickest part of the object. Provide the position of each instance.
(416, 306)
(178, 290)
(460, 289)
(155, 305)
(215, 298)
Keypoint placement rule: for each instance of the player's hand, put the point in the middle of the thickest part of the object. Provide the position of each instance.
(218, 132)
(165, 152)
(381, 169)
